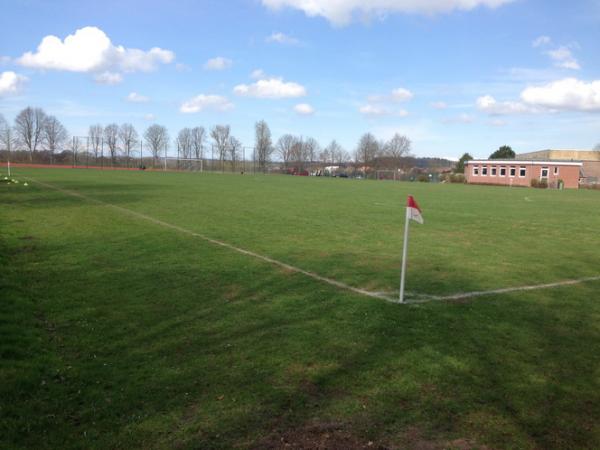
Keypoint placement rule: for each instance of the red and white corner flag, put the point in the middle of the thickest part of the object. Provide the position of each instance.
(413, 212)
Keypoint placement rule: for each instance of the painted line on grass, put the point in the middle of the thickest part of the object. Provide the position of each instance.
(268, 259)
(417, 298)
(425, 298)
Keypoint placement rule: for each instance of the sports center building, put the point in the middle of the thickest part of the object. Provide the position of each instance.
(571, 167)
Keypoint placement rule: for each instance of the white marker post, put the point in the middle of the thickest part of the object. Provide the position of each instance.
(9, 168)
(412, 212)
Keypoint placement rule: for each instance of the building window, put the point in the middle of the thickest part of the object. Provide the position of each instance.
(545, 172)
(475, 170)
(484, 171)
(502, 171)
(555, 170)
(513, 171)
(494, 171)
(522, 171)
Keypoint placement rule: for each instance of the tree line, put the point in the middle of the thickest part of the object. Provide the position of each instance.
(36, 131)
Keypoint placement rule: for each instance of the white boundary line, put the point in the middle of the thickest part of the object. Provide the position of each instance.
(268, 259)
(418, 298)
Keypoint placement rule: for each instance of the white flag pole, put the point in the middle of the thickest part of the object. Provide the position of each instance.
(404, 254)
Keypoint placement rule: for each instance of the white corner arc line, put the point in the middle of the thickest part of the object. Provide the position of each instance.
(268, 259)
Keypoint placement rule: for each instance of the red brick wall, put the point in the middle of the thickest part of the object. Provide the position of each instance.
(569, 174)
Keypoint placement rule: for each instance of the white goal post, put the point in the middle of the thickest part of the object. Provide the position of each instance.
(387, 175)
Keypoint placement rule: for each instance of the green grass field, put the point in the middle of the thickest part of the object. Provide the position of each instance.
(119, 332)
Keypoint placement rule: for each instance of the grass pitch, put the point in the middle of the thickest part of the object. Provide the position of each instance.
(121, 333)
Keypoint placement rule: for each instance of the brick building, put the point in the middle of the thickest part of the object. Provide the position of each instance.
(589, 158)
(520, 173)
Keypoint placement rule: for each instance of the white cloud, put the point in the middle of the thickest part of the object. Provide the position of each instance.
(11, 83)
(490, 105)
(304, 109)
(341, 12)
(218, 63)
(374, 110)
(90, 50)
(257, 74)
(563, 58)
(271, 88)
(568, 94)
(282, 38)
(498, 123)
(541, 41)
(134, 97)
(149, 117)
(460, 119)
(206, 102)
(439, 105)
(110, 78)
(402, 95)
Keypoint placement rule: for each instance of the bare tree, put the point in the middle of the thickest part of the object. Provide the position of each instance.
(184, 142)
(54, 134)
(285, 145)
(312, 149)
(220, 135)
(298, 154)
(198, 139)
(75, 146)
(263, 145)
(234, 148)
(128, 137)
(367, 150)
(96, 134)
(7, 138)
(397, 149)
(111, 135)
(29, 125)
(333, 152)
(157, 138)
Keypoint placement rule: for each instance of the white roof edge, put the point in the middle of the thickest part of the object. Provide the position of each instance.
(519, 161)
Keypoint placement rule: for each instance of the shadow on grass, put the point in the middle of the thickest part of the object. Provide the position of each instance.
(201, 348)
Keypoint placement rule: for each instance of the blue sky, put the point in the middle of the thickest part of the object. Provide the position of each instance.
(453, 78)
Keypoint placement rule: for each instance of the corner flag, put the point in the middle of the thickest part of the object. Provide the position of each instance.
(413, 212)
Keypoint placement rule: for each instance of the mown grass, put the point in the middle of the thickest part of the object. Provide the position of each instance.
(119, 333)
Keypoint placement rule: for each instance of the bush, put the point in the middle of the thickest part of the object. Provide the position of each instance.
(535, 183)
(423, 179)
(457, 178)
(543, 184)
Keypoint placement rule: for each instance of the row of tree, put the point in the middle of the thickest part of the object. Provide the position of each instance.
(34, 131)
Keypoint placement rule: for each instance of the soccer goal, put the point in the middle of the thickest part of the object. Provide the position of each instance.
(186, 164)
(388, 175)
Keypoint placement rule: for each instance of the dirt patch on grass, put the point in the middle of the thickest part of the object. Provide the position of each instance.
(318, 436)
(340, 436)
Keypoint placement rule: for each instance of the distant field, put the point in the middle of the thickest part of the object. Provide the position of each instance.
(124, 330)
